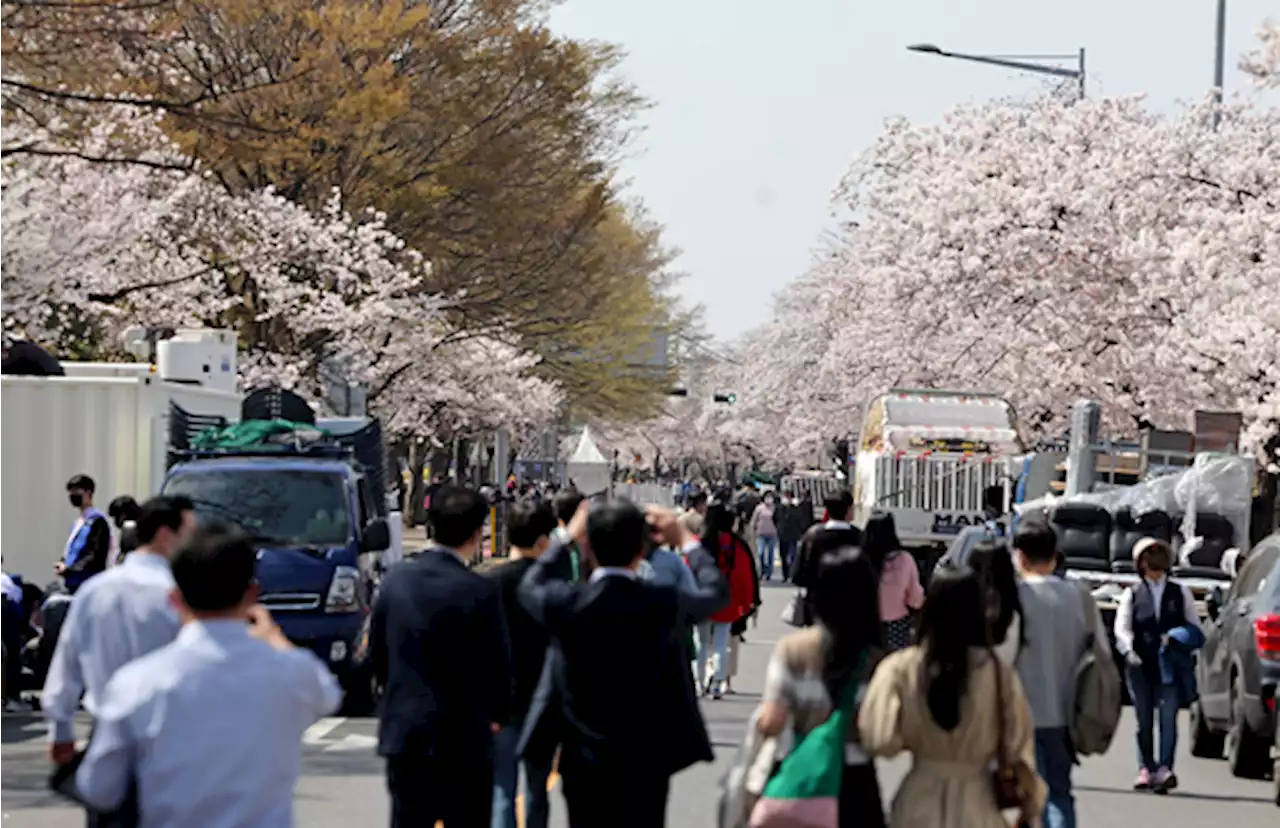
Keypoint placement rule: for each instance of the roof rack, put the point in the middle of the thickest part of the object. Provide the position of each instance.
(364, 445)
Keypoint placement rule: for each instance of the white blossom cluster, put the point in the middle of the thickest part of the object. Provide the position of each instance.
(1047, 251)
(91, 248)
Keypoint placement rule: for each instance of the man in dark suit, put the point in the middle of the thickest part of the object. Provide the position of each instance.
(628, 714)
(438, 642)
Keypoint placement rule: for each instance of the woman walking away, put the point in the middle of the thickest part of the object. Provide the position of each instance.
(900, 590)
(994, 566)
(1149, 612)
(812, 669)
(765, 531)
(734, 560)
(959, 711)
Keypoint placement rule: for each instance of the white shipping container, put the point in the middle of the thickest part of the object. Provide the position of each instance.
(111, 424)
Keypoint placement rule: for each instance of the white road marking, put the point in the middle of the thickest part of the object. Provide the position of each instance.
(315, 734)
(352, 742)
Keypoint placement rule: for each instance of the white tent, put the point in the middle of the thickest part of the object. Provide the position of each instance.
(588, 468)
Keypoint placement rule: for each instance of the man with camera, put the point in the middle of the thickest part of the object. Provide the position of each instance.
(624, 688)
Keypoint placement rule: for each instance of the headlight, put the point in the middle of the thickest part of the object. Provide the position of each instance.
(343, 590)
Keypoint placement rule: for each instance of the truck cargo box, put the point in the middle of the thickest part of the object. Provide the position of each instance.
(108, 422)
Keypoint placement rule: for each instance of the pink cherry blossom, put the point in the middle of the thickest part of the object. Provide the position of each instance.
(92, 248)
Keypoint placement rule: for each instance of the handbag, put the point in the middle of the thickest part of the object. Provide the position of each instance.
(1006, 782)
(742, 785)
(796, 612)
(805, 790)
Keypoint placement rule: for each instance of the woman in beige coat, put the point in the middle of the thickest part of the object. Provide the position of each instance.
(941, 701)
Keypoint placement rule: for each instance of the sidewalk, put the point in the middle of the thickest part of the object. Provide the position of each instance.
(415, 540)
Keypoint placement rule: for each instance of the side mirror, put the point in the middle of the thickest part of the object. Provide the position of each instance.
(1214, 603)
(376, 537)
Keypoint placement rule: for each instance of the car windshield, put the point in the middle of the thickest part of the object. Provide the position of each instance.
(281, 506)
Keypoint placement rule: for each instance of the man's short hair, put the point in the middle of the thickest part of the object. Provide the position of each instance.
(1037, 541)
(838, 504)
(566, 503)
(697, 499)
(123, 508)
(214, 568)
(527, 523)
(83, 482)
(616, 531)
(163, 512)
(456, 514)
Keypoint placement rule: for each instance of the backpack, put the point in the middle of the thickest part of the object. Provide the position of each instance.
(1099, 693)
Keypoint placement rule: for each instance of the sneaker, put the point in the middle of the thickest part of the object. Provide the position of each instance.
(17, 706)
(1164, 781)
(718, 692)
(1143, 782)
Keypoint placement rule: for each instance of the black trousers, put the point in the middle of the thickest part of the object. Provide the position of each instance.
(427, 789)
(609, 798)
(860, 805)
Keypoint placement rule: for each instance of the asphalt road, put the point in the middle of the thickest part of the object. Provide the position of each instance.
(342, 781)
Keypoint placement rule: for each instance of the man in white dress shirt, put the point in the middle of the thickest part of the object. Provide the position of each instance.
(209, 728)
(117, 616)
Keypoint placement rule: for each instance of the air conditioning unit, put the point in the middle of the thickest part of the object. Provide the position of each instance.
(202, 357)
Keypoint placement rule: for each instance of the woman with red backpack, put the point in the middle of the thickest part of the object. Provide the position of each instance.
(734, 560)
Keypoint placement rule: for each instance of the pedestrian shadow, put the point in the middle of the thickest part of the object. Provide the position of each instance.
(1177, 793)
(18, 728)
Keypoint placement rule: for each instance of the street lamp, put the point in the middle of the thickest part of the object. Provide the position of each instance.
(1219, 52)
(1020, 62)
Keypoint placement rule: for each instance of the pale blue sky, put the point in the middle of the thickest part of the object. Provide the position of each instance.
(760, 106)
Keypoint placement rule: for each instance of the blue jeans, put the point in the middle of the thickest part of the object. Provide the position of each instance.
(1054, 759)
(1152, 698)
(787, 552)
(767, 547)
(506, 777)
(713, 636)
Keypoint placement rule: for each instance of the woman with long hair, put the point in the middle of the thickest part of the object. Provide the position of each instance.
(994, 566)
(814, 669)
(959, 710)
(900, 590)
(733, 557)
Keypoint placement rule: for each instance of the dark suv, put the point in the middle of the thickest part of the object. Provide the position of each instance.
(1239, 669)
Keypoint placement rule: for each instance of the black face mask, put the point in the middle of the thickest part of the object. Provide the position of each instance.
(77, 500)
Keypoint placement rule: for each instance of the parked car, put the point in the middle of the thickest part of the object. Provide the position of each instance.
(1238, 670)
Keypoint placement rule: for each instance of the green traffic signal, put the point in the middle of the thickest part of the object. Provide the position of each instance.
(728, 399)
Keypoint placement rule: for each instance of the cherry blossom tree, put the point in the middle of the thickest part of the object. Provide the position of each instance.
(93, 248)
(1047, 252)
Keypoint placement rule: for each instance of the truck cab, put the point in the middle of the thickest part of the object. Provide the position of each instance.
(316, 512)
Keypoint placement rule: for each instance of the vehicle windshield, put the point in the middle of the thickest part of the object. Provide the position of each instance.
(281, 506)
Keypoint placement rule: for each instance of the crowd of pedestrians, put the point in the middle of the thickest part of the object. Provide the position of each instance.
(585, 651)
(994, 681)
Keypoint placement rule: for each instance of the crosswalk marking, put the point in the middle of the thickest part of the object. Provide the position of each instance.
(315, 734)
(351, 742)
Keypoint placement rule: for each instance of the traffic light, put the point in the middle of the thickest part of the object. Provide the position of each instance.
(727, 399)
(678, 392)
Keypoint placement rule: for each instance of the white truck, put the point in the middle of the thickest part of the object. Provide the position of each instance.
(107, 420)
(935, 460)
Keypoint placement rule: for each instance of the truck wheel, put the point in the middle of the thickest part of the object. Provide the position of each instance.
(1205, 744)
(1248, 756)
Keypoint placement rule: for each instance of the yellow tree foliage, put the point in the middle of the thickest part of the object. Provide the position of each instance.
(488, 140)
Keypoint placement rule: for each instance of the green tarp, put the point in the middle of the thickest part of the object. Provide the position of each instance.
(260, 435)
